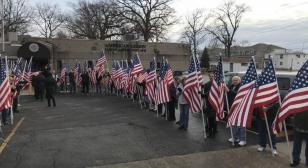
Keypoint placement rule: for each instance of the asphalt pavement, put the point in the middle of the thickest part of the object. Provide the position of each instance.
(107, 130)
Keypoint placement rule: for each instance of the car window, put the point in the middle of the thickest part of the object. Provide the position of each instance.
(283, 83)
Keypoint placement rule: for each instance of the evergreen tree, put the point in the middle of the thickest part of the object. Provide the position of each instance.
(205, 59)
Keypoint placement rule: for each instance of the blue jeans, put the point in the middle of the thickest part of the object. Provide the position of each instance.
(263, 134)
(239, 133)
(297, 145)
(184, 115)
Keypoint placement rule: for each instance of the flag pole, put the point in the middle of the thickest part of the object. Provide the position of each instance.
(156, 84)
(227, 103)
(203, 122)
(7, 75)
(284, 122)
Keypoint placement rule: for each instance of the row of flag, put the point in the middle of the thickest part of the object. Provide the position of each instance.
(21, 71)
(258, 91)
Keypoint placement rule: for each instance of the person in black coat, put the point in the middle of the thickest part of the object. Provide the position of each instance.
(85, 82)
(98, 83)
(210, 114)
(41, 86)
(172, 103)
(51, 86)
(72, 82)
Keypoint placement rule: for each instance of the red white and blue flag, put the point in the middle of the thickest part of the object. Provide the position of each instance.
(100, 64)
(296, 101)
(192, 86)
(62, 75)
(216, 94)
(162, 95)
(150, 81)
(137, 66)
(242, 107)
(4, 84)
(142, 76)
(169, 74)
(267, 87)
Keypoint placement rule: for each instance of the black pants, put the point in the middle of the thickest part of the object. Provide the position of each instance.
(171, 110)
(15, 104)
(212, 126)
(53, 100)
(85, 88)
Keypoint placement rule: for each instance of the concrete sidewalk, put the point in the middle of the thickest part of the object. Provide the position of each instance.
(237, 157)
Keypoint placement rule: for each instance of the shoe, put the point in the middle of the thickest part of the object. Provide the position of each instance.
(242, 143)
(180, 128)
(231, 140)
(275, 152)
(178, 122)
(294, 164)
(261, 149)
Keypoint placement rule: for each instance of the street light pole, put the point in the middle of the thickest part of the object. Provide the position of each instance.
(2, 13)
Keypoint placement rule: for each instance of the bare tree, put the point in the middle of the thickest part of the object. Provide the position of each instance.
(194, 31)
(95, 20)
(17, 16)
(48, 19)
(227, 20)
(151, 18)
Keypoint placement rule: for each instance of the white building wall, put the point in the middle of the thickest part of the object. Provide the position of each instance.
(237, 67)
(287, 61)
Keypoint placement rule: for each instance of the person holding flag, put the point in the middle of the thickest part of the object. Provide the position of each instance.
(210, 114)
(296, 103)
(241, 111)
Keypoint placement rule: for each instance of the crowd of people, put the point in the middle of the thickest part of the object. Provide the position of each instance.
(46, 83)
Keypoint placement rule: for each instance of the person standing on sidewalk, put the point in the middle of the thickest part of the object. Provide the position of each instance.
(300, 135)
(183, 105)
(239, 133)
(270, 111)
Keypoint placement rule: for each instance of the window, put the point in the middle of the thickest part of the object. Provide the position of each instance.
(281, 63)
(281, 56)
(283, 83)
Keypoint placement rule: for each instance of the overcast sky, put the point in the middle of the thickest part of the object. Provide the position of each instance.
(279, 22)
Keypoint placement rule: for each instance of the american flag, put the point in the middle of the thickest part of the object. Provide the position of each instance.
(100, 64)
(137, 66)
(131, 85)
(267, 87)
(142, 76)
(169, 74)
(28, 73)
(124, 80)
(242, 107)
(4, 84)
(17, 71)
(150, 81)
(296, 101)
(193, 86)
(92, 75)
(62, 75)
(216, 94)
(77, 75)
(162, 95)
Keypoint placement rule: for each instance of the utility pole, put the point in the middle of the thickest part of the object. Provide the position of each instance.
(3, 38)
